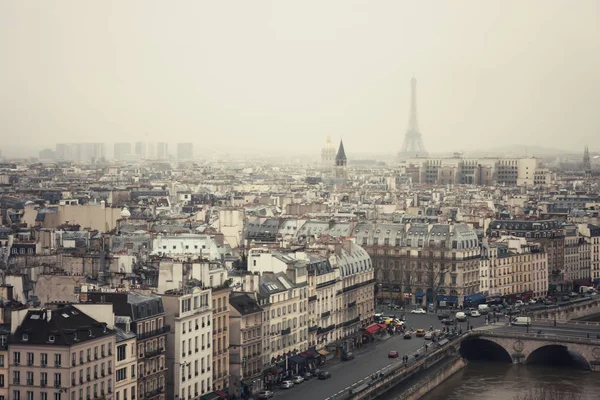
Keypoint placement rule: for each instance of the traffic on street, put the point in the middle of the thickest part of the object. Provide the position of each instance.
(371, 359)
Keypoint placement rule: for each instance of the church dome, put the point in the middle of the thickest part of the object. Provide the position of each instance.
(125, 213)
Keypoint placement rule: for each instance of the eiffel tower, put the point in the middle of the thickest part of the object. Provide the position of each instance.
(413, 142)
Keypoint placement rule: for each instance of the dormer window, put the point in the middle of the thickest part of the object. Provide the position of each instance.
(51, 339)
(24, 337)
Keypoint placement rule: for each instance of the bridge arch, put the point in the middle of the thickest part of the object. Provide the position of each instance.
(557, 354)
(477, 348)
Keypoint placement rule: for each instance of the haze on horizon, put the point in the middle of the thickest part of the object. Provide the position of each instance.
(275, 75)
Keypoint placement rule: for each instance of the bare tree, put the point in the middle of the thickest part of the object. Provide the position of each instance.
(549, 393)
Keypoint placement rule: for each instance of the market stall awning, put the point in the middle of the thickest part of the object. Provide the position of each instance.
(210, 396)
(475, 298)
(221, 393)
(323, 352)
(297, 359)
(371, 329)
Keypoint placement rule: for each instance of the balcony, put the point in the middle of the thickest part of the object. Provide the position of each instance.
(286, 331)
(325, 330)
(352, 321)
(352, 304)
(153, 393)
(160, 331)
(326, 314)
(313, 328)
(325, 284)
(312, 298)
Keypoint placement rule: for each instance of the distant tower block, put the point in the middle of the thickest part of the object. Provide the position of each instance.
(328, 152)
(341, 162)
(413, 142)
(587, 164)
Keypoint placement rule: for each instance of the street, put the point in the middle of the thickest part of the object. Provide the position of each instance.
(345, 374)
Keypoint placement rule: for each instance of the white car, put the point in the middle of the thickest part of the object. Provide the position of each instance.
(532, 301)
(286, 384)
(418, 311)
(475, 314)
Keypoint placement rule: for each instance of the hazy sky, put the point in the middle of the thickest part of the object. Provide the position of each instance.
(284, 74)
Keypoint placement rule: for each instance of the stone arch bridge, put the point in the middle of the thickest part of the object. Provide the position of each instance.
(531, 348)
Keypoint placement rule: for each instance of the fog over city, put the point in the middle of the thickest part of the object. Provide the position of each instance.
(274, 76)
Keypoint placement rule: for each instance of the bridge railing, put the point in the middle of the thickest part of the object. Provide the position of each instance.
(534, 335)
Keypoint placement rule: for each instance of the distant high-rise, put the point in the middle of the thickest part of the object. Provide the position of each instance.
(587, 164)
(80, 152)
(141, 150)
(413, 141)
(162, 151)
(122, 150)
(328, 152)
(185, 151)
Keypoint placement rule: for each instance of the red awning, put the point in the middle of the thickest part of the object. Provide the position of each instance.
(222, 394)
(371, 329)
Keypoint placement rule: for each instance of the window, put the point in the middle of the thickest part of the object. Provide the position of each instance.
(29, 395)
(57, 360)
(121, 374)
(121, 352)
(16, 395)
(44, 359)
(57, 396)
(17, 358)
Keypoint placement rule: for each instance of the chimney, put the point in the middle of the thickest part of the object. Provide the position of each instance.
(347, 245)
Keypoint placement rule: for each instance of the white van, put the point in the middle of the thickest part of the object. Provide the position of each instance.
(522, 321)
(483, 308)
(461, 316)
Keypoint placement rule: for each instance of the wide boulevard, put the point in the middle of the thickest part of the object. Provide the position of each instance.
(366, 363)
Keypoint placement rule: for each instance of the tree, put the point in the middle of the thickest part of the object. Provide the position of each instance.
(549, 393)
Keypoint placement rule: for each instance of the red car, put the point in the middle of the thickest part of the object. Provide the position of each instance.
(393, 354)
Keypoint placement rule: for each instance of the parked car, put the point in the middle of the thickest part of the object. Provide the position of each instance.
(428, 336)
(307, 376)
(418, 311)
(265, 394)
(297, 380)
(420, 332)
(348, 356)
(286, 384)
(324, 375)
(532, 301)
(393, 354)
(315, 371)
(448, 321)
(408, 335)
(519, 303)
(475, 314)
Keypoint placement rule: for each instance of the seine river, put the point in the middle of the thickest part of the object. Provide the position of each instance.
(496, 381)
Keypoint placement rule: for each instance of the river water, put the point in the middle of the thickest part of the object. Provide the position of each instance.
(497, 381)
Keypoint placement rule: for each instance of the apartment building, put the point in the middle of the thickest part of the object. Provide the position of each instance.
(220, 338)
(420, 262)
(513, 268)
(126, 369)
(284, 298)
(4, 362)
(148, 323)
(245, 343)
(189, 315)
(549, 233)
(591, 233)
(60, 354)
